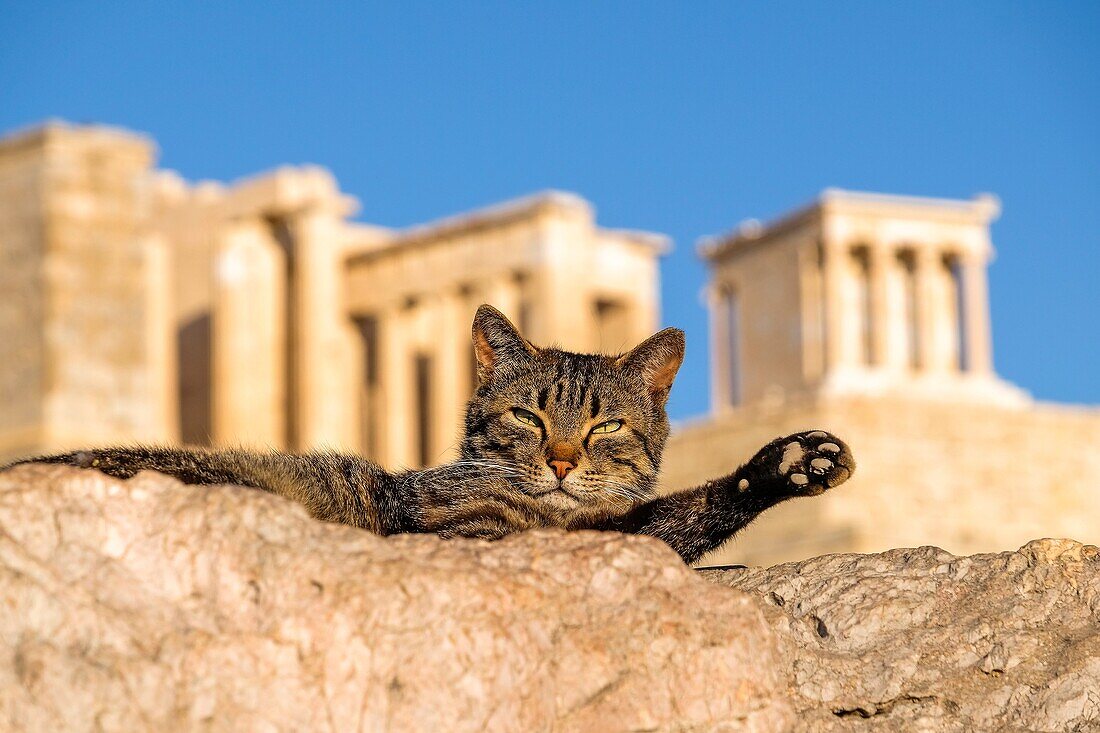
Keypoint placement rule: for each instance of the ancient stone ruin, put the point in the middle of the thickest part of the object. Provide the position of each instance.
(142, 307)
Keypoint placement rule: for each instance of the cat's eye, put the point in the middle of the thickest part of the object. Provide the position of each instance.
(607, 427)
(527, 417)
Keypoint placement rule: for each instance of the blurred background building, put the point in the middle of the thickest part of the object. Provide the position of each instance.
(138, 307)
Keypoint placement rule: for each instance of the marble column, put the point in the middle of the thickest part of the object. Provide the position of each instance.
(834, 271)
(720, 396)
(451, 366)
(324, 340)
(249, 339)
(884, 325)
(502, 293)
(161, 345)
(366, 435)
(398, 406)
(978, 343)
(811, 290)
(900, 296)
(571, 321)
(936, 332)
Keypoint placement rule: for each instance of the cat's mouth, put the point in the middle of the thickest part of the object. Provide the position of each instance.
(558, 495)
(556, 490)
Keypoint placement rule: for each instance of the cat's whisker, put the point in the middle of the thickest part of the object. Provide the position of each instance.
(599, 479)
(618, 489)
(608, 487)
(474, 466)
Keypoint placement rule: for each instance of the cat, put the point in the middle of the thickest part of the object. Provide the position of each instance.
(551, 439)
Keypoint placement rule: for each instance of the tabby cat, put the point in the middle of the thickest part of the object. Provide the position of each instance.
(551, 439)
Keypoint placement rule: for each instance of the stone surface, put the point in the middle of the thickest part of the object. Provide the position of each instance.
(148, 605)
(919, 639)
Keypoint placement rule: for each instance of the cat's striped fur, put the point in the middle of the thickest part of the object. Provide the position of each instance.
(552, 439)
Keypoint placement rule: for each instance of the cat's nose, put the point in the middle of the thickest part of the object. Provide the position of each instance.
(561, 468)
(562, 457)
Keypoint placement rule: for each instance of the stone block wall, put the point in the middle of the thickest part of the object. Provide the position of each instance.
(84, 292)
(965, 477)
(22, 308)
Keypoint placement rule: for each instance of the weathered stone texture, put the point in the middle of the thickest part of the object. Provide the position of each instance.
(82, 309)
(919, 639)
(21, 299)
(1007, 474)
(147, 605)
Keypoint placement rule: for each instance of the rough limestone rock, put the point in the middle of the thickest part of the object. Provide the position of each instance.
(145, 605)
(921, 640)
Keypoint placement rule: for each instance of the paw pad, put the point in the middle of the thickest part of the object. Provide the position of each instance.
(792, 456)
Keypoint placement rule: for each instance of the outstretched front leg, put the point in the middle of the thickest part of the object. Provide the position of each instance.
(698, 520)
(332, 486)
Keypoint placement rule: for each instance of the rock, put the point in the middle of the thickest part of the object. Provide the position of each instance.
(148, 605)
(922, 640)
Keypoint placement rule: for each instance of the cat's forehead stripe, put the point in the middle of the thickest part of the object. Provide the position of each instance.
(582, 389)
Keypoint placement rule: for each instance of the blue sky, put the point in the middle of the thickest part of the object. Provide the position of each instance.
(682, 118)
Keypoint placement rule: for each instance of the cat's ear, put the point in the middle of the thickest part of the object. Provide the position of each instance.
(657, 359)
(497, 343)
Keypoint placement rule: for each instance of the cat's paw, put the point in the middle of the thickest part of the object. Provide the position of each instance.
(803, 464)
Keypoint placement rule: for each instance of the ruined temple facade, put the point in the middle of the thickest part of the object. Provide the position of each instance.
(880, 295)
(138, 307)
